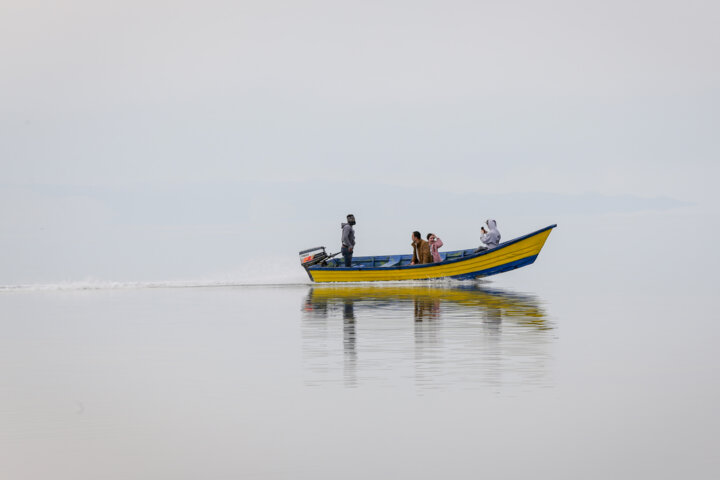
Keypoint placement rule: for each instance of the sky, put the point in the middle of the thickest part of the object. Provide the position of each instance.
(217, 126)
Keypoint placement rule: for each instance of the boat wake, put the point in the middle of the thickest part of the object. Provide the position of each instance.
(108, 285)
(272, 272)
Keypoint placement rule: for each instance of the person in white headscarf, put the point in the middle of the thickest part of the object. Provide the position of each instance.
(490, 237)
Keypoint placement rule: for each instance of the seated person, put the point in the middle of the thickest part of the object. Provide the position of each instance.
(490, 237)
(421, 250)
(435, 243)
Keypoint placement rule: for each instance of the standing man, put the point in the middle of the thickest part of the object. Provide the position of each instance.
(348, 239)
(421, 250)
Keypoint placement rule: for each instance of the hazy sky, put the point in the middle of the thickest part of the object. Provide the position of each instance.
(613, 98)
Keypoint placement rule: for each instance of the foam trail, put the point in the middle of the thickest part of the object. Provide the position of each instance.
(277, 271)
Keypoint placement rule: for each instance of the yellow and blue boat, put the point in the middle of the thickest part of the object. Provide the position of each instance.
(458, 264)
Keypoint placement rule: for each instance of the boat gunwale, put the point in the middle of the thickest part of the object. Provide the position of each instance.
(427, 265)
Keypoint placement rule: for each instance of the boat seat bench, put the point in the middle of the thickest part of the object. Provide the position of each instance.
(394, 260)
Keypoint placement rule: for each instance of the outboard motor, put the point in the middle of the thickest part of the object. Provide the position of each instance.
(309, 259)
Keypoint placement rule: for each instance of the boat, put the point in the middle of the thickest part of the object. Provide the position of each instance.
(459, 264)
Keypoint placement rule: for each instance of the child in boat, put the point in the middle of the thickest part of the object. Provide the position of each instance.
(490, 237)
(435, 243)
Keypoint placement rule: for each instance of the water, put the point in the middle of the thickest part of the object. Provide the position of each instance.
(598, 365)
(424, 337)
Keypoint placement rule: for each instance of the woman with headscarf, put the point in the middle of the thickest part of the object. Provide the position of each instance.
(490, 237)
(435, 243)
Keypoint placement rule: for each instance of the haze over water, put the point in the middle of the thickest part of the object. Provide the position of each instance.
(163, 162)
(545, 371)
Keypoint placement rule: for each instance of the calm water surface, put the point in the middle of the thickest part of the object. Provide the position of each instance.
(608, 368)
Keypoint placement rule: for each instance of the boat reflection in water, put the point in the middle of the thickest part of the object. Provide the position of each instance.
(465, 336)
